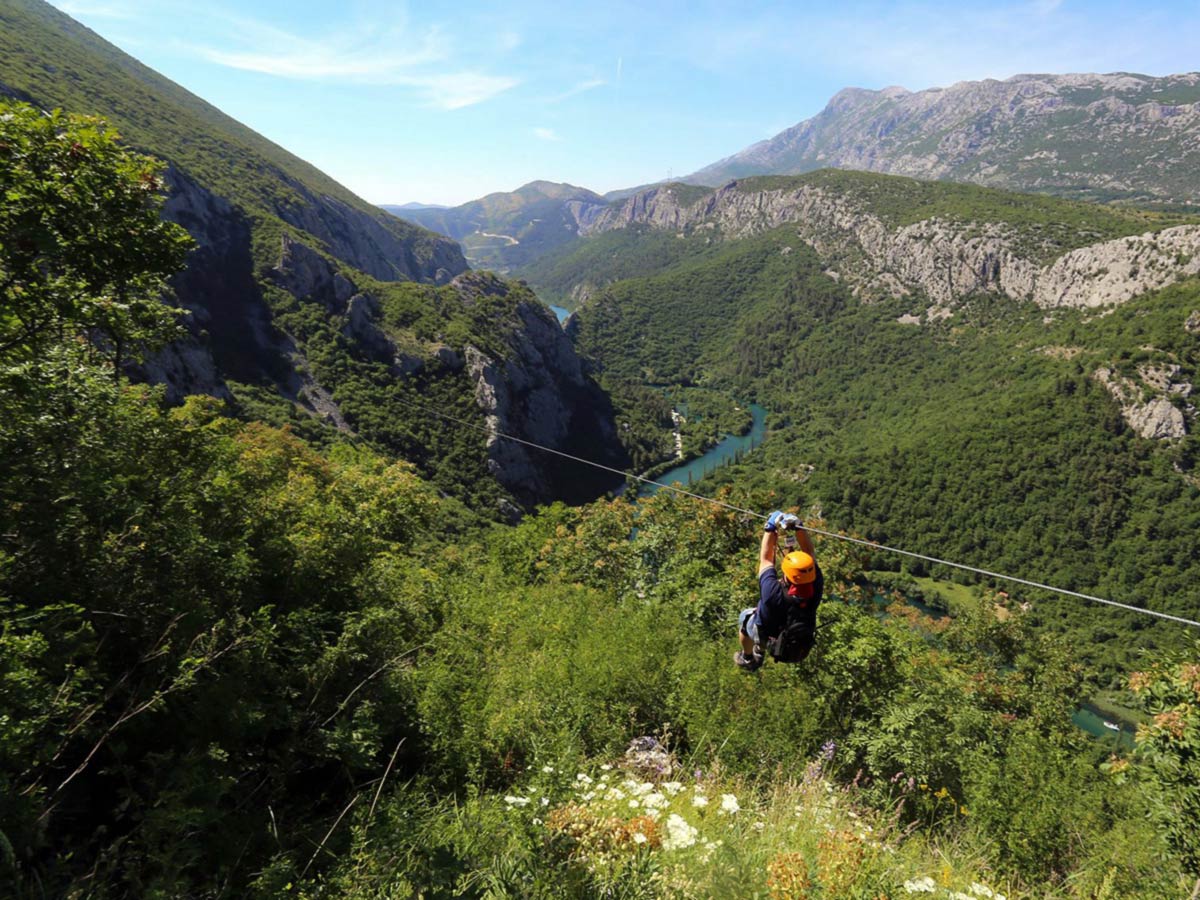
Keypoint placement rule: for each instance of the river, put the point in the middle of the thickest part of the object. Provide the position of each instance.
(1093, 721)
(561, 312)
(723, 453)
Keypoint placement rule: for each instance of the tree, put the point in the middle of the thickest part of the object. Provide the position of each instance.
(83, 249)
(1170, 747)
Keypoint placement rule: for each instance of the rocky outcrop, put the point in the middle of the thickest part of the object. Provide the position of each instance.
(947, 260)
(1118, 134)
(1154, 416)
(229, 326)
(379, 245)
(1115, 271)
(536, 391)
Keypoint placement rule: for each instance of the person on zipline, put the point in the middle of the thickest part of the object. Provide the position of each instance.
(785, 621)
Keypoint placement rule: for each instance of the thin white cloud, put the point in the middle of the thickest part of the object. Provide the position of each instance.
(582, 87)
(365, 54)
(546, 134)
(458, 89)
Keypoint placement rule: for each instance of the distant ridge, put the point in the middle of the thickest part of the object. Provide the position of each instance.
(405, 207)
(1119, 136)
(507, 229)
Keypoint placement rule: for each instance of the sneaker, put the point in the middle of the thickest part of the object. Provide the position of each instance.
(750, 662)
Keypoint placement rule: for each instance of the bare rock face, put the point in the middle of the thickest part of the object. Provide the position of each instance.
(537, 391)
(362, 311)
(370, 243)
(1110, 134)
(307, 275)
(947, 260)
(1192, 325)
(1157, 418)
(229, 325)
(1115, 271)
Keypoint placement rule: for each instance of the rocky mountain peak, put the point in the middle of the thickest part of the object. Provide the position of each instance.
(1116, 135)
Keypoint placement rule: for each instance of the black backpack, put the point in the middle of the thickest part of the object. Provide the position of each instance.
(799, 633)
(793, 644)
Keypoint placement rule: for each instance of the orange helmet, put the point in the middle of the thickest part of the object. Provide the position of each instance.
(799, 568)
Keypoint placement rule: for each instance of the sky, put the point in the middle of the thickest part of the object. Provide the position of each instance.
(440, 102)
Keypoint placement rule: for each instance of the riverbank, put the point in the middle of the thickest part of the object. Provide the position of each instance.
(728, 449)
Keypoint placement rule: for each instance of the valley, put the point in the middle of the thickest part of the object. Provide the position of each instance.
(307, 588)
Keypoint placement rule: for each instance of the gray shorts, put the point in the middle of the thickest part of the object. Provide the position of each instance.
(748, 622)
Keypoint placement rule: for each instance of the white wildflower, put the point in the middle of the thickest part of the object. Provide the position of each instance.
(699, 801)
(759, 826)
(981, 890)
(583, 779)
(590, 795)
(633, 804)
(924, 885)
(672, 788)
(639, 838)
(545, 801)
(644, 788)
(616, 793)
(537, 821)
(606, 767)
(549, 770)
(729, 804)
(959, 895)
(679, 833)
(654, 801)
(516, 801)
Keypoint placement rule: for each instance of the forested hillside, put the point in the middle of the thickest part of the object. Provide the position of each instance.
(994, 433)
(308, 306)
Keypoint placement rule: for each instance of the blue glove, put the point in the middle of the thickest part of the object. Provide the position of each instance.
(774, 520)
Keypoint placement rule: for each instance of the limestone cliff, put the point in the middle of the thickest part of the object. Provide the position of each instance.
(536, 391)
(945, 259)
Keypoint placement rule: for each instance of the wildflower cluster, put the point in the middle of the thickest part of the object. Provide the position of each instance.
(926, 885)
(606, 820)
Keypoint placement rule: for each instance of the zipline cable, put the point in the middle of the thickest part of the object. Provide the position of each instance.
(840, 537)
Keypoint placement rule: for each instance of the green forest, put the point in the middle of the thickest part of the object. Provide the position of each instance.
(236, 662)
(984, 438)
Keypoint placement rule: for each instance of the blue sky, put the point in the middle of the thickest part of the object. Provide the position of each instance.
(446, 102)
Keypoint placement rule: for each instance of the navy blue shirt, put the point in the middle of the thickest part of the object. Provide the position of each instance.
(774, 601)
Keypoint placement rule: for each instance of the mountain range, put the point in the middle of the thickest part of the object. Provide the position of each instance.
(1108, 138)
(1119, 136)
